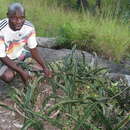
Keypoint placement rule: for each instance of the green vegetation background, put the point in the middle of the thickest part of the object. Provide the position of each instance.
(106, 33)
(88, 100)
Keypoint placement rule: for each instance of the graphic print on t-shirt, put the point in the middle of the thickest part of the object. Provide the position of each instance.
(12, 42)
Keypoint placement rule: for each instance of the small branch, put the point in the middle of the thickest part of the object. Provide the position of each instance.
(119, 93)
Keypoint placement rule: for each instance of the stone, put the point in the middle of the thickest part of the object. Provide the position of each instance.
(53, 55)
(46, 42)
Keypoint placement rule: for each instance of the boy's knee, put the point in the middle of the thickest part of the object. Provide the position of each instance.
(8, 76)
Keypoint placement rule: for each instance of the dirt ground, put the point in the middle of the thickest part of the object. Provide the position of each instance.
(8, 119)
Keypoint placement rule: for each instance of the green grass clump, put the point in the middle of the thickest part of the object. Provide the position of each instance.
(82, 96)
(112, 38)
(105, 33)
(107, 37)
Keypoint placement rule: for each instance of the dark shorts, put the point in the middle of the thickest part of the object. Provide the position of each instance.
(24, 57)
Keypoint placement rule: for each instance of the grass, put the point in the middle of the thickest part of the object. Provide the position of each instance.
(104, 34)
(113, 38)
(87, 98)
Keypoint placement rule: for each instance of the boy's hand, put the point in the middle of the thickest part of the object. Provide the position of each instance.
(47, 72)
(26, 77)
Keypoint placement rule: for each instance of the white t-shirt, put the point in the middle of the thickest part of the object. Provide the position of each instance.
(12, 43)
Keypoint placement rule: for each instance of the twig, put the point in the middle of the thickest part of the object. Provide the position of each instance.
(119, 93)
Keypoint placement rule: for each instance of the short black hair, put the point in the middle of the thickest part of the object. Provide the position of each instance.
(15, 6)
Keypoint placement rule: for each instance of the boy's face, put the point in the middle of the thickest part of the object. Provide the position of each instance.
(16, 19)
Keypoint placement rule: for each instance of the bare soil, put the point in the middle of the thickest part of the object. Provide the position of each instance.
(8, 119)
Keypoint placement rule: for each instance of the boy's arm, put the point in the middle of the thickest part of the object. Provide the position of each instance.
(39, 59)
